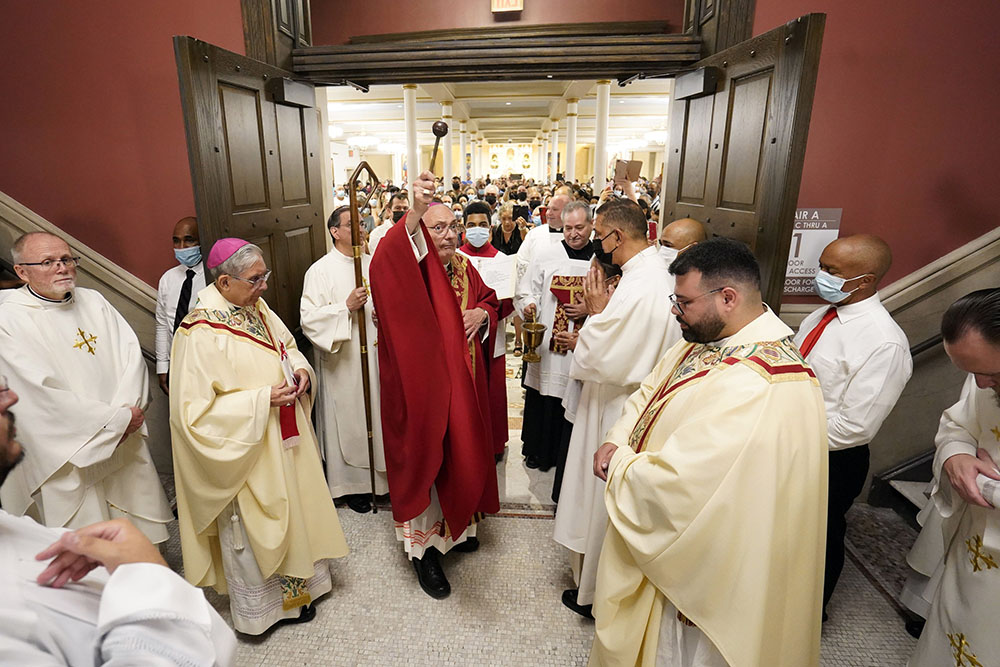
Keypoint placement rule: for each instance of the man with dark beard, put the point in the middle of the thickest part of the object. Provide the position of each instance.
(148, 614)
(716, 487)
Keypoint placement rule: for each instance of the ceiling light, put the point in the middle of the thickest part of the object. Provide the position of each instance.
(548, 76)
(362, 141)
(657, 136)
(507, 103)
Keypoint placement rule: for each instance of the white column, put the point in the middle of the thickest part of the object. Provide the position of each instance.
(534, 159)
(446, 166)
(554, 160)
(484, 158)
(474, 150)
(571, 116)
(601, 142)
(543, 162)
(463, 173)
(397, 169)
(413, 168)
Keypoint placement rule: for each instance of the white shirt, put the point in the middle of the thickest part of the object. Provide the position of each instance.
(376, 235)
(862, 362)
(143, 614)
(167, 294)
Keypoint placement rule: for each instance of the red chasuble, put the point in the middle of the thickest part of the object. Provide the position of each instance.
(435, 424)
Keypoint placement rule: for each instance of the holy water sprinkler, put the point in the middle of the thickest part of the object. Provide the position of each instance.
(440, 128)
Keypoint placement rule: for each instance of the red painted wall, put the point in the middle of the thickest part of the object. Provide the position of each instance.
(91, 128)
(336, 21)
(903, 134)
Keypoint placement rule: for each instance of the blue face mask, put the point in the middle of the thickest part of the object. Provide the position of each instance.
(536, 220)
(188, 256)
(830, 288)
(477, 236)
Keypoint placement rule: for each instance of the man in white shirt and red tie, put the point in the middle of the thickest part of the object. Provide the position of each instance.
(177, 291)
(862, 360)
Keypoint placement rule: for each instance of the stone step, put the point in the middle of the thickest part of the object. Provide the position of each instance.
(915, 492)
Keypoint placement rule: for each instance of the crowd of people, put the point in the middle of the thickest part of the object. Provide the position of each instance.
(704, 454)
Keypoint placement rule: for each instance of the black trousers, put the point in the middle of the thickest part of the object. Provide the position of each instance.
(848, 471)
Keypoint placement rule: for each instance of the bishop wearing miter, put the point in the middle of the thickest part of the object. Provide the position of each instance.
(331, 309)
(256, 518)
(84, 387)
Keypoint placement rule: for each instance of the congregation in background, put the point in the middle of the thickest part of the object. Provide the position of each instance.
(700, 449)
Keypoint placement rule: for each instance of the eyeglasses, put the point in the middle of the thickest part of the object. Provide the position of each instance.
(256, 282)
(50, 264)
(680, 304)
(441, 230)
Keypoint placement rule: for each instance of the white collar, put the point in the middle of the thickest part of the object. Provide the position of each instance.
(854, 310)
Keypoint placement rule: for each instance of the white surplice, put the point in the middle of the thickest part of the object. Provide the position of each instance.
(549, 376)
(534, 241)
(340, 414)
(78, 368)
(966, 584)
(143, 614)
(376, 235)
(617, 348)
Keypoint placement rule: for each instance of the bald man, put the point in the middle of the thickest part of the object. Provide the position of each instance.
(678, 236)
(177, 291)
(862, 360)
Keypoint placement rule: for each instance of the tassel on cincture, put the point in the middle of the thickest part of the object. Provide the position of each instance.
(237, 531)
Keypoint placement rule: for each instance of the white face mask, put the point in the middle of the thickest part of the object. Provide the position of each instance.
(477, 236)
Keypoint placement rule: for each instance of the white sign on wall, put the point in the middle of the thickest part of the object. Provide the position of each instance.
(815, 228)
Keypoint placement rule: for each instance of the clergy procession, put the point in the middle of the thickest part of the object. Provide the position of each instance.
(703, 455)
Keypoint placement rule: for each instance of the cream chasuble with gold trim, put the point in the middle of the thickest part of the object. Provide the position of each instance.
(721, 506)
(229, 457)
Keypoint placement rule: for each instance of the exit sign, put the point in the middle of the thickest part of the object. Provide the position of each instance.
(506, 5)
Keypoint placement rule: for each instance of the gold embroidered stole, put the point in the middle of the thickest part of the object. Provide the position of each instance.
(775, 361)
(459, 276)
(246, 322)
(567, 290)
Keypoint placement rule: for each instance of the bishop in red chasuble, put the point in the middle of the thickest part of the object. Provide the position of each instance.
(434, 354)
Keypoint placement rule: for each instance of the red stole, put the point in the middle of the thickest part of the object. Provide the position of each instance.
(486, 251)
(432, 416)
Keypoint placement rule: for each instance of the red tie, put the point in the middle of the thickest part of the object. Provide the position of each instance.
(813, 336)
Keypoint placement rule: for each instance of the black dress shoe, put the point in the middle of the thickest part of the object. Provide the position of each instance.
(569, 599)
(468, 546)
(306, 614)
(531, 462)
(360, 503)
(431, 576)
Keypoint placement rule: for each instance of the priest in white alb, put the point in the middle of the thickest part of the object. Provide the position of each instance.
(552, 294)
(716, 488)
(84, 386)
(255, 514)
(965, 586)
(547, 234)
(330, 307)
(617, 347)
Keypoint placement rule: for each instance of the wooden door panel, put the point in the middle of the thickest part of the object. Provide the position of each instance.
(244, 147)
(695, 151)
(255, 165)
(292, 155)
(744, 147)
(743, 181)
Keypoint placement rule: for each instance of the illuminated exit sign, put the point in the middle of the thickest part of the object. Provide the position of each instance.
(506, 5)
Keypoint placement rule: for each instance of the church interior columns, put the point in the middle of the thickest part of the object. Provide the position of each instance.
(410, 121)
(463, 173)
(572, 107)
(601, 130)
(446, 165)
(554, 159)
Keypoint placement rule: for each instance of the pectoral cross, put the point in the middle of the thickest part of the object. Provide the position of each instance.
(86, 341)
(964, 657)
(975, 547)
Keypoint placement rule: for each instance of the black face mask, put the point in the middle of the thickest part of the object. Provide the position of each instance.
(491, 199)
(602, 256)
(455, 185)
(398, 215)
(522, 196)
(535, 203)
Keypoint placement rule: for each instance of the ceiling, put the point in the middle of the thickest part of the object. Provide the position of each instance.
(503, 111)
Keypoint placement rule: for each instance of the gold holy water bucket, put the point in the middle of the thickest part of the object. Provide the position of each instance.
(533, 332)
